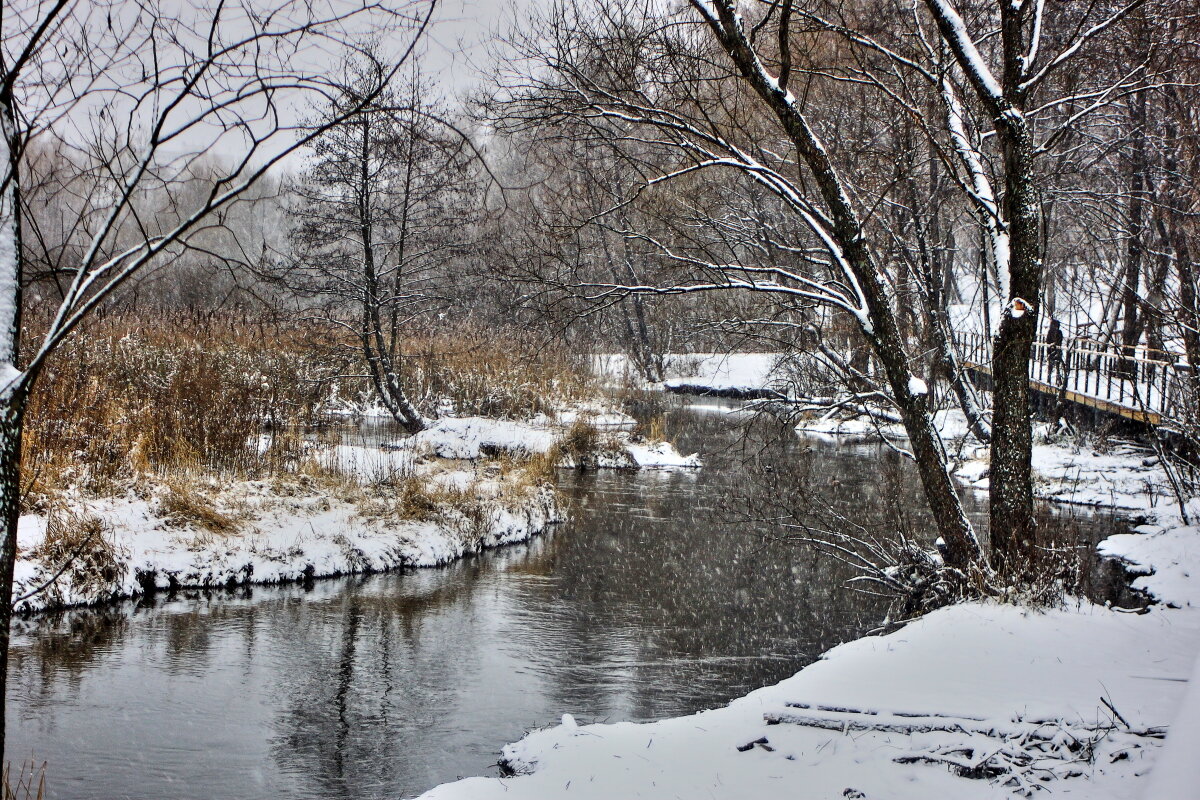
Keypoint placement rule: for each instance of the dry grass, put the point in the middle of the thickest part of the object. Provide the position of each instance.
(183, 504)
(78, 551)
(27, 783)
(422, 499)
(128, 398)
(492, 373)
(585, 445)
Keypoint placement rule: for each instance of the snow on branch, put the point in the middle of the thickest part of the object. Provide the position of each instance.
(954, 32)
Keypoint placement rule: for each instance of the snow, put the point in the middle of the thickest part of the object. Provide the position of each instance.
(718, 372)
(662, 454)
(10, 271)
(476, 437)
(950, 424)
(964, 46)
(473, 437)
(283, 532)
(992, 670)
(916, 386)
(1176, 774)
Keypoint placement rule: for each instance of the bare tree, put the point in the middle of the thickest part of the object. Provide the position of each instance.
(384, 212)
(794, 97)
(143, 93)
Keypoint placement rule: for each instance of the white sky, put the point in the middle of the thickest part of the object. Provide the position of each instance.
(457, 53)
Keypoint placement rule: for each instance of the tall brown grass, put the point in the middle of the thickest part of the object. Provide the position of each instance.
(492, 372)
(130, 396)
(28, 782)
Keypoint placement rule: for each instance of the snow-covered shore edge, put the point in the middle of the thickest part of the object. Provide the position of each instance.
(281, 539)
(1073, 699)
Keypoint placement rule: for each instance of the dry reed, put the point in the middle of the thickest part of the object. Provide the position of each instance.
(132, 397)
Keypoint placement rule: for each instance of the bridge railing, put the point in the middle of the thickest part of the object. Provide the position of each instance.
(1137, 381)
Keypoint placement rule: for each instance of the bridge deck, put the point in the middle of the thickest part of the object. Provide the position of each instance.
(1144, 387)
(1143, 415)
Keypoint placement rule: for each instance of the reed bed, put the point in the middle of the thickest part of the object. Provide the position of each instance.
(130, 397)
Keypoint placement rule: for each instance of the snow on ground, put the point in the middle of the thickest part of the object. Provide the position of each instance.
(951, 424)
(716, 372)
(476, 437)
(1016, 695)
(963, 683)
(1121, 476)
(278, 531)
(301, 527)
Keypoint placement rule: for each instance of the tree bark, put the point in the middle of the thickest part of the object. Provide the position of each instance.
(13, 385)
(1131, 330)
(1012, 524)
(12, 412)
(1013, 529)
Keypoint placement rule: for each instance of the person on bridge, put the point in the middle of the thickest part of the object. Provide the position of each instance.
(1054, 340)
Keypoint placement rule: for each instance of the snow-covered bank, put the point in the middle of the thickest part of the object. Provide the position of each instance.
(993, 689)
(352, 509)
(611, 446)
(379, 512)
(733, 374)
(979, 700)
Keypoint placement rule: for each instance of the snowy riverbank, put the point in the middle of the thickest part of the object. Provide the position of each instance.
(723, 374)
(212, 535)
(462, 486)
(978, 700)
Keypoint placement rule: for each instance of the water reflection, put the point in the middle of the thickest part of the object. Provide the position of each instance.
(652, 602)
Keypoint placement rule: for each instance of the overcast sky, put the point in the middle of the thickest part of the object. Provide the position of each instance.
(457, 52)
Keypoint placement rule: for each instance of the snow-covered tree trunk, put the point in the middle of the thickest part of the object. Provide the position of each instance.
(961, 547)
(1014, 530)
(1014, 232)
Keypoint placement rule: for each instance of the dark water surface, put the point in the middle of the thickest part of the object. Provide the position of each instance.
(654, 601)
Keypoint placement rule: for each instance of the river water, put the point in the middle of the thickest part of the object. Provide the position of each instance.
(659, 598)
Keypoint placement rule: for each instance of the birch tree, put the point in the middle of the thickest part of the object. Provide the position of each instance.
(154, 91)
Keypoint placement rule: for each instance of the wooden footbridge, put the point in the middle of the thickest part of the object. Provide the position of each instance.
(1146, 388)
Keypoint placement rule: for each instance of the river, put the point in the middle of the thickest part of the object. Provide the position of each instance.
(658, 598)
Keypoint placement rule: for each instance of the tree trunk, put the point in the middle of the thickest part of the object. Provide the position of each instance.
(1013, 529)
(879, 325)
(12, 411)
(935, 301)
(961, 547)
(1131, 331)
(375, 348)
(12, 395)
